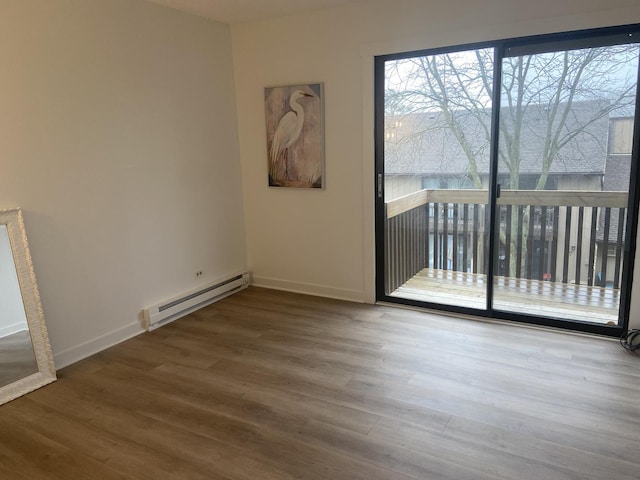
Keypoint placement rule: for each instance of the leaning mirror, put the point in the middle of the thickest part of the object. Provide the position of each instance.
(26, 362)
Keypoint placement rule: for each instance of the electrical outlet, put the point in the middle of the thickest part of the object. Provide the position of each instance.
(199, 274)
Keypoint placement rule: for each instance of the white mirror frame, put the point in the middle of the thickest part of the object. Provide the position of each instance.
(46, 373)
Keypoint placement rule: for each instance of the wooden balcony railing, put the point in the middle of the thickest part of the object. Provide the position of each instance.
(562, 236)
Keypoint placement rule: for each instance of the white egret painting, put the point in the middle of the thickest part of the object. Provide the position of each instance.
(295, 135)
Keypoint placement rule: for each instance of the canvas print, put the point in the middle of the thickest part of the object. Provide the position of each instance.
(295, 135)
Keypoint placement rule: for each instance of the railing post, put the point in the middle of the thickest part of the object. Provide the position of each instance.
(418, 227)
(567, 245)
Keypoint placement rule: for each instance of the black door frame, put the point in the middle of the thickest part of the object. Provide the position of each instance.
(514, 47)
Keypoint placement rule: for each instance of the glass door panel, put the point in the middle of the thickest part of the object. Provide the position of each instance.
(437, 129)
(564, 169)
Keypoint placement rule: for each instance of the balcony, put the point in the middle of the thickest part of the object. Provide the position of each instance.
(560, 253)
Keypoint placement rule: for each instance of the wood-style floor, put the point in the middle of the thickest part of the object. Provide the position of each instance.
(274, 385)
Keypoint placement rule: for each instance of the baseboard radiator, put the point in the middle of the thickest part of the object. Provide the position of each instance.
(174, 308)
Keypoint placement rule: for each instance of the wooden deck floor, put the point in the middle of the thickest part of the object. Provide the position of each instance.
(268, 385)
(549, 299)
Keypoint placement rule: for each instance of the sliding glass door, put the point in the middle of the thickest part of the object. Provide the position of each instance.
(436, 149)
(564, 169)
(506, 177)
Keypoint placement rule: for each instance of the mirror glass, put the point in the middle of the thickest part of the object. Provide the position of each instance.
(17, 359)
(26, 362)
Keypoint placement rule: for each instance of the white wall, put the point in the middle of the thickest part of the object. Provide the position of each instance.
(322, 241)
(118, 138)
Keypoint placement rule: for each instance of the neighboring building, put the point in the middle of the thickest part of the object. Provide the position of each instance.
(421, 151)
(615, 179)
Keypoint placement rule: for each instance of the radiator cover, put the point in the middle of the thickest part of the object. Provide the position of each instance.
(171, 309)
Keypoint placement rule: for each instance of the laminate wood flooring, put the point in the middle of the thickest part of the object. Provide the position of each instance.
(274, 385)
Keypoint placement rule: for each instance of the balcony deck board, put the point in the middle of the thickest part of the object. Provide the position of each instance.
(580, 303)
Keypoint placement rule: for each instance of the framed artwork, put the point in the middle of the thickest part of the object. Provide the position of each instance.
(295, 135)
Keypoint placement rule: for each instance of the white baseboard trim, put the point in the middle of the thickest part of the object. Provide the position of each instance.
(91, 347)
(11, 329)
(74, 354)
(309, 289)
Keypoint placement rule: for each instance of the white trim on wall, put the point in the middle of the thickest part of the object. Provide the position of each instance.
(308, 288)
(95, 345)
(13, 328)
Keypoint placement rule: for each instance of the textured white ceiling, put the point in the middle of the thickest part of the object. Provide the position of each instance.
(237, 11)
